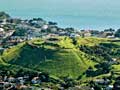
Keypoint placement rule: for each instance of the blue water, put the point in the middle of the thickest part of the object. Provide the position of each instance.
(80, 14)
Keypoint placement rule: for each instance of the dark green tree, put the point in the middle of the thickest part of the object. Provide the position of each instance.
(117, 34)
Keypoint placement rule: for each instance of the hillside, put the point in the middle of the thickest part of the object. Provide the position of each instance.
(4, 15)
(61, 56)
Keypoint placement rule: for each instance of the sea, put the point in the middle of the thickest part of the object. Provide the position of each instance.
(79, 14)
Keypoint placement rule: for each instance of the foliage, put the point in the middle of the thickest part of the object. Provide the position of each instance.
(117, 34)
(62, 56)
(20, 32)
(4, 15)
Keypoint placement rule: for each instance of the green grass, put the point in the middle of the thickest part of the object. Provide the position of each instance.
(116, 67)
(65, 63)
(59, 58)
(90, 41)
(10, 54)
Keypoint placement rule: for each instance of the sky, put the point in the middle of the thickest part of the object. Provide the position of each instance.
(100, 7)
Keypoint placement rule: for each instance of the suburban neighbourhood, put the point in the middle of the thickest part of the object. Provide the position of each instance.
(14, 31)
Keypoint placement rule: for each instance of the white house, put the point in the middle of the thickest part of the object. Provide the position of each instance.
(45, 27)
(1, 30)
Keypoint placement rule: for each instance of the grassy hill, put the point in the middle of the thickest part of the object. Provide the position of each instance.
(60, 56)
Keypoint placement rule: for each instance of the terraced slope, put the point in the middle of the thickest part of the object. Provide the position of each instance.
(58, 56)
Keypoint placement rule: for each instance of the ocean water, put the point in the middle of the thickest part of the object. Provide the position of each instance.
(80, 14)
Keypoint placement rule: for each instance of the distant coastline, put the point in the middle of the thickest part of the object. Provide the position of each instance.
(75, 21)
(81, 14)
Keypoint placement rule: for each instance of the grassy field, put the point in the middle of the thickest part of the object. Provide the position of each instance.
(59, 58)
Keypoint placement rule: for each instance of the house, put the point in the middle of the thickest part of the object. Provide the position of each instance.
(4, 22)
(23, 87)
(111, 37)
(8, 33)
(1, 78)
(80, 88)
(102, 81)
(1, 50)
(17, 39)
(44, 27)
(73, 35)
(113, 61)
(50, 36)
(53, 29)
(5, 78)
(35, 80)
(36, 34)
(86, 33)
(2, 32)
(5, 86)
(105, 34)
(62, 33)
(109, 87)
(11, 79)
(26, 77)
(20, 80)
(2, 84)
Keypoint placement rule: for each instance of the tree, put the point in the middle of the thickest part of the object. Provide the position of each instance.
(44, 77)
(97, 87)
(116, 85)
(70, 30)
(90, 72)
(20, 32)
(105, 67)
(74, 41)
(109, 30)
(117, 34)
(4, 15)
(52, 23)
(16, 21)
(68, 82)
